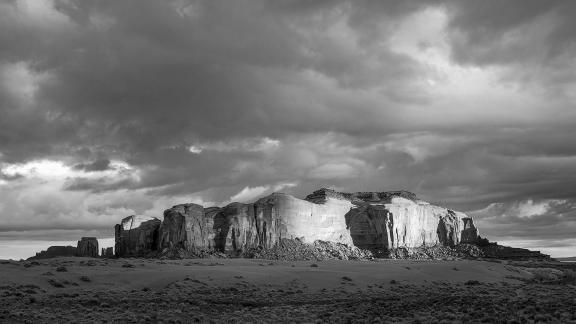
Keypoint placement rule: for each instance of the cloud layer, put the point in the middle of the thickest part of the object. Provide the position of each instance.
(114, 108)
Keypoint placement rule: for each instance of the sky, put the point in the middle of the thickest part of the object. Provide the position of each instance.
(112, 108)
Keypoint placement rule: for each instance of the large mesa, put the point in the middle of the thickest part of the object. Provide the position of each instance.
(374, 221)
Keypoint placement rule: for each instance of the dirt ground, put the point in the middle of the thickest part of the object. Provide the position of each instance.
(85, 290)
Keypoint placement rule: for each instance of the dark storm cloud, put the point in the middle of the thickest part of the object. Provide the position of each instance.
(196, 70)
(489, 26)
(210, 99)
(552, 223)
(201, 70)
(537, 39)
(98, 165)
(97, 185)
(24, 135)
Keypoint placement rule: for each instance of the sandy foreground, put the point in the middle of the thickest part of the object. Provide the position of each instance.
(83, 290)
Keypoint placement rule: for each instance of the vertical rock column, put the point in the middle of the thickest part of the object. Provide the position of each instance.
(107, 252)
(184, 226)
(87, 247)
(238, 228)
(269, 226)
(136, 235)
(469, 232)
(448, 229)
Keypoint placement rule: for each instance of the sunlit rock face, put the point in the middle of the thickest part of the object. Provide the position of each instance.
(383, 220)
(136, 235)
(402, 222)
(184, 226)
(87, 247)
(238, 227)
(284, 216)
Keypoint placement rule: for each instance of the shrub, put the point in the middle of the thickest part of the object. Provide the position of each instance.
(482, 241)
(569, 277)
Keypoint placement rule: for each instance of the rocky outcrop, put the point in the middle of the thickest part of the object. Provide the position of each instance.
(55, 251)
(374, 221)
(136, 236)
(295, 250)
(234, 228)
(281, 216)
(107, 252)
(87, 247)
(493, 250)
(469, 231)
(185, 226)
(437, 252)
(402, 223)
(239, 227)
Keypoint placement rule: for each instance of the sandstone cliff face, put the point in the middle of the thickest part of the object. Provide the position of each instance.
(136, 235)
(388, 220)
(184, 226)
(281, 216)
(402, 223)
(376, 221)
(469, 231)
(234, 228)
(87, 247)
(238, 227)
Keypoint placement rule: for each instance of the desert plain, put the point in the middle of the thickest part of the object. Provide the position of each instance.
(133, 290)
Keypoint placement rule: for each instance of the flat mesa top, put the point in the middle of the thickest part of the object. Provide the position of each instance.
(321, 195)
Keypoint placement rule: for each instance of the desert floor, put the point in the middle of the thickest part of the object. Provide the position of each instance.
(85, 290)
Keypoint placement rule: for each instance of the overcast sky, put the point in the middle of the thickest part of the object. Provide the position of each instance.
(111, 108)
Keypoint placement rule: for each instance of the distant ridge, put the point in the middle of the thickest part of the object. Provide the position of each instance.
(572, 259)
